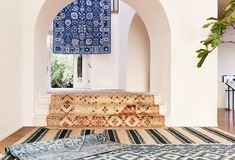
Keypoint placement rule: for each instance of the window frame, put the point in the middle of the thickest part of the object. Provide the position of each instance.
(78, 84)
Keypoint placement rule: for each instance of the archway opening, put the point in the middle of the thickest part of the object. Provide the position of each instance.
(159, 33)
(138, 57)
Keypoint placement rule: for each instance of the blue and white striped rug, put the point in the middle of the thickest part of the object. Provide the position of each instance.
(168, 135)
(163, 136)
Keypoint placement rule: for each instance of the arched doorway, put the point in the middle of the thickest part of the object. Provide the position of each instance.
(160, 44)
(138, 57)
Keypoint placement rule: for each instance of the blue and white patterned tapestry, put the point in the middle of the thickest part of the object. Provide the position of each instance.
(83, 27)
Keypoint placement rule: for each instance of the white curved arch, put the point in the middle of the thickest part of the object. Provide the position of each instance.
(138, 57)
(156, 21)
(158, 27)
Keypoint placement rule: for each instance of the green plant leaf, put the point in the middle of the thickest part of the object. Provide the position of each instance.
(201, 50)
(212, 18)
(201, 61)
(207, 25)
(218, 27)
(228, 8)
(202, 53)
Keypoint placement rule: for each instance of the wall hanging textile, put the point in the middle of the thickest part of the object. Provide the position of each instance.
(83, 27)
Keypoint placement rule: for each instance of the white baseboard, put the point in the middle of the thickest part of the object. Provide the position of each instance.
(193, 124)
(10, 131)
(40, 120)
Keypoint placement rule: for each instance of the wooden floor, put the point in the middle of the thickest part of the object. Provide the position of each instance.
(226, 121)
(14, 137)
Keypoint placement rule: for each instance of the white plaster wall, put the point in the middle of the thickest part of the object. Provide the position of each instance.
(30, 68)
(226, 65)
(10, 67)
(193, 90)
(138, 57)
(126, 14)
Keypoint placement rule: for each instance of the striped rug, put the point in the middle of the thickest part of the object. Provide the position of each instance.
(170, 135)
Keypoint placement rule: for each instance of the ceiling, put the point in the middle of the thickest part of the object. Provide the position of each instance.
(221, 5)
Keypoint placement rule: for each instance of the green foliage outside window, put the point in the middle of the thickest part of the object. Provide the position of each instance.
(61, 71)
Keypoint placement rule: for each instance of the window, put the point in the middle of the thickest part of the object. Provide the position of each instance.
(62, 71)
(67, 71)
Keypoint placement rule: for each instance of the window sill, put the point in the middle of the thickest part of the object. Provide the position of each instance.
(77, 90)
(66, 90)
